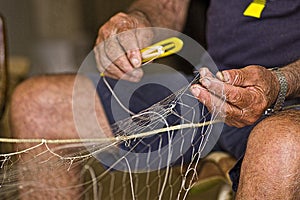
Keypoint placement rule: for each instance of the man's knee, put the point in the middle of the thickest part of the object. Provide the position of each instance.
(56, 107)
(271, 163)
(39, 100)
(277, 133)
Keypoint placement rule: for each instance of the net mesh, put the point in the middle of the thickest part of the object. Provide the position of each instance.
(153, 154)
(147, 158)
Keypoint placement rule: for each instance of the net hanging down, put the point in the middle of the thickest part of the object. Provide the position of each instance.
(154, 153)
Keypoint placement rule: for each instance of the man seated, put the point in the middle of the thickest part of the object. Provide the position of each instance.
(243, 47)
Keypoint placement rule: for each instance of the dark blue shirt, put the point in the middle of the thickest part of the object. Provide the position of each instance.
(235, 41)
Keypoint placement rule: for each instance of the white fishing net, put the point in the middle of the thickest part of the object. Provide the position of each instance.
(153, 153)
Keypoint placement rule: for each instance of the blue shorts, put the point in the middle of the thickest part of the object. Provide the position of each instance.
(231, 140)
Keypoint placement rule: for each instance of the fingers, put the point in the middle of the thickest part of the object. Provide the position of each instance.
(237, 96)
(144, 37)
(117, 58)
(232, 94)
(129, 43)
(237, 106)
(116, 63)
(115, 53)
(104, 64)
(222, 110)
(244, 77)
(234, 77)
(204, 72)
(118, 48)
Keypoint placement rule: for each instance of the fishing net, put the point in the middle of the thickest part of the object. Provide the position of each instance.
(152, 152)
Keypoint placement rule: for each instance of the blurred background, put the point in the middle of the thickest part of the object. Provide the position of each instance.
(54, 36)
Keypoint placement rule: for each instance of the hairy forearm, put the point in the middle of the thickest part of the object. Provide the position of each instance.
(163, 13)
(292, 74)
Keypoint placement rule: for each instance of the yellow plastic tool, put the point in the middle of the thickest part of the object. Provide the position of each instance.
(162, 49)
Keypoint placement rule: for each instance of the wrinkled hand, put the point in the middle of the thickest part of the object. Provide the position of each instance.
(240, 95)
(118, 46)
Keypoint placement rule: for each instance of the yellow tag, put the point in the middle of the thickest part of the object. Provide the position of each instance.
(255, 8)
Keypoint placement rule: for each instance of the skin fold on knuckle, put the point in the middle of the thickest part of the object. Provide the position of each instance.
(230, 76)
(252, 113)
(237, 119)
(123, 64)
(259, 75)
(116, 24)
(234, 96)
(245, 76)
(115, 74)
(259, 100)
(249, 119)
(238, 79)
(113, 51)
(116, 18)
(229, 112)
(106, 31)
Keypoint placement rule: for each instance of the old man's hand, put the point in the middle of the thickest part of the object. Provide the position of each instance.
(118, 46)
(240, 95)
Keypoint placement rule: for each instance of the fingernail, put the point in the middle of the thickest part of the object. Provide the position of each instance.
(225, 76)
(134, 79)
(136, 73)
(135, 62)
(195, 90)
(205, 82)
(220, 76)
(203, 71)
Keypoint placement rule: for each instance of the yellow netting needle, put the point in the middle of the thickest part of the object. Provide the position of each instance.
(162, 49)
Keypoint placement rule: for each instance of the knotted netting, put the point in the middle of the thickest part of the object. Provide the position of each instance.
(154, 146)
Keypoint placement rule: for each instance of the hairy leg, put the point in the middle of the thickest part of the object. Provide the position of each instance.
(270, 169)
(42, 107)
